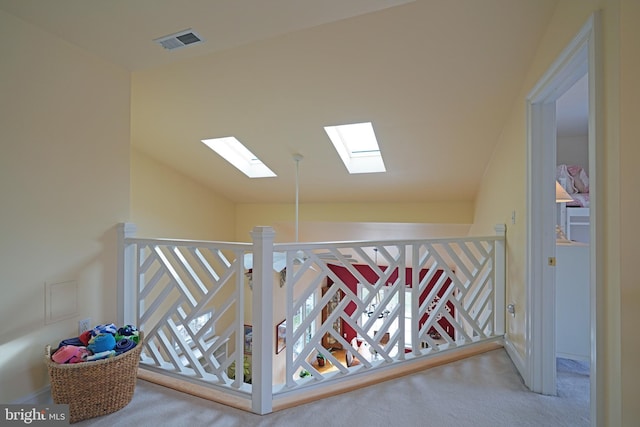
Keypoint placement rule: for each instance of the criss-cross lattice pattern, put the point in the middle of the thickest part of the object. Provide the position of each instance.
(363, 306)
(462, 297)
(385, 302)
(190, 306)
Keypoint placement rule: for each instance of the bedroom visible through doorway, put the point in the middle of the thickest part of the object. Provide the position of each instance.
(573, 308)
(581, 57)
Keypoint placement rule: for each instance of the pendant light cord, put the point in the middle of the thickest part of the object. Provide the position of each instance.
(297, 158)
(297, 190)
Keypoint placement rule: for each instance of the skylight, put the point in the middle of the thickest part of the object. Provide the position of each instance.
(357, 146)
(232, 150)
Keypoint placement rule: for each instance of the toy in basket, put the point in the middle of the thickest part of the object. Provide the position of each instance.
(94, 388)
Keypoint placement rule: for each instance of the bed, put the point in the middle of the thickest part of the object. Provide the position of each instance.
(574, 216)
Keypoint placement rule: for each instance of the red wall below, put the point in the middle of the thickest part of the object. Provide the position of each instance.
(372, 277)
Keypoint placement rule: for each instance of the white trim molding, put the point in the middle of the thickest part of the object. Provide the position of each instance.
(514, 355)
(580, 57)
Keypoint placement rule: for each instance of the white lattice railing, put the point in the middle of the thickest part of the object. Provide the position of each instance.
(375, 304)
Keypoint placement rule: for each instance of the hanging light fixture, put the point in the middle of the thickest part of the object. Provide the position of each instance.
(300, 256)
(297, 158)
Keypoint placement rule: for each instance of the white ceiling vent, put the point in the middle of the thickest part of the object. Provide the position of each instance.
(178, 40)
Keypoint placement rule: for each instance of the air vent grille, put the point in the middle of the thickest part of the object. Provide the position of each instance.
(178, 40)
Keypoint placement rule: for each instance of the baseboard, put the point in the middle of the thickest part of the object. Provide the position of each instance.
(572, 356)
(288, 400)
(40, 397)
(515, 357)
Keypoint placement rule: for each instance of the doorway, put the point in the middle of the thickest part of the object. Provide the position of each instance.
(580, 58)
(573, 311)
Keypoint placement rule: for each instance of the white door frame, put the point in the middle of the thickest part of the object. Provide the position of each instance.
(581, 56)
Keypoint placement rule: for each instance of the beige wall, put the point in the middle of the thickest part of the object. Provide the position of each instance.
(504, 189)
(64, 184)
(573, 150)
(166, 203)
(629, 208)
(249, 215)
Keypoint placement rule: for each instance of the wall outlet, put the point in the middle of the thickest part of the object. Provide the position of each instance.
(84, 325)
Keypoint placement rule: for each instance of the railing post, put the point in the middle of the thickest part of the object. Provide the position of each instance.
(500, 278)
(262, 329)
(126, 295)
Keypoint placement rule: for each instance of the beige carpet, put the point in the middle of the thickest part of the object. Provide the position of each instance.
(484, 390)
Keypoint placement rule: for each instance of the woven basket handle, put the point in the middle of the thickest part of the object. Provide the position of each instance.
(47, 351)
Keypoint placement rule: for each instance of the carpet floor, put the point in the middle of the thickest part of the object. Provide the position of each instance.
(484, 390)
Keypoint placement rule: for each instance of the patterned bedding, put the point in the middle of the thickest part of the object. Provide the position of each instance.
(575, 180)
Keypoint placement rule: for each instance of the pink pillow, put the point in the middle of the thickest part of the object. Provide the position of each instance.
(580, 178)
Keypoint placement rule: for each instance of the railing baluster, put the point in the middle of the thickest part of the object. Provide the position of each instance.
(499, 256)
(126, 295)
(262, 315)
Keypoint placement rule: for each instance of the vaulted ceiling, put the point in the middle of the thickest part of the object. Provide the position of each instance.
(437, 79)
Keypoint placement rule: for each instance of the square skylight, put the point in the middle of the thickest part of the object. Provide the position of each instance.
(357, 146)
(232, 150)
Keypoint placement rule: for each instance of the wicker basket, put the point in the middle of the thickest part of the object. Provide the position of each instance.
(94, 388)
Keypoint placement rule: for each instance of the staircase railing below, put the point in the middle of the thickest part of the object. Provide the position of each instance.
(244, 323)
